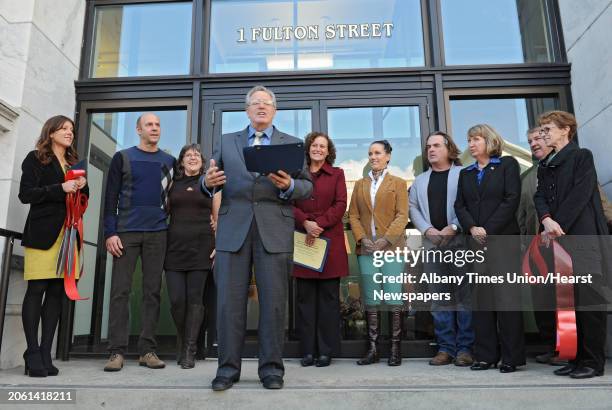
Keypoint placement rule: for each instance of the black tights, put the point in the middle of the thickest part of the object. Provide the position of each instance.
(33, 310)
(186, 288)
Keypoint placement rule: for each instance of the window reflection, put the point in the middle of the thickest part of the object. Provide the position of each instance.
(281, 35)
(511, 117)
(354, 129)
(496, 32)
(114, 131)
(142, 40)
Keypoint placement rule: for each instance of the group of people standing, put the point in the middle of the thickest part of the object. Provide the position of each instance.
(232, 224)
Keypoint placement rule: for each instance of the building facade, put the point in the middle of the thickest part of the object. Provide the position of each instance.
(356, 69)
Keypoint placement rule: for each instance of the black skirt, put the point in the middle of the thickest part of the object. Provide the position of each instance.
(190, 237)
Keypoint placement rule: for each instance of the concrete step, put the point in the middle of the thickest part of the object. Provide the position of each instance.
(343, 385)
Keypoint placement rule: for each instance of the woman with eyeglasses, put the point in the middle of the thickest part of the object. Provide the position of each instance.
(570, 210)
(190, 251)
(378, 214)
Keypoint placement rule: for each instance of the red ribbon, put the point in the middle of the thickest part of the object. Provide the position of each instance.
(567, 338)
(76, 204)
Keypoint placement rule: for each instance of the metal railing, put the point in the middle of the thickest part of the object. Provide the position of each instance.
(5, 273)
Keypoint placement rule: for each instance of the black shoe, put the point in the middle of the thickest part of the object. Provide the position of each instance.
(221, 383)
(585, 372)
(47, 361)
(482, 365)
(507, 368)
(273, 382)
(565, 370)
(34, 366)
(307, 360)
(323, 361)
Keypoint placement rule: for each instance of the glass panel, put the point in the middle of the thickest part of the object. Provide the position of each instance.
(114, 131)
(282, 35)
(293, 122)
(109, 133)
(353, 130)
(142, 40)
(496, 32)
(511, 117)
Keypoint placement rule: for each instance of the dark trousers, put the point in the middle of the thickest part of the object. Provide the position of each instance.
(498, 333)
(151, 248)
(232, 276)
(591, 326)
(34, 310)
(544, 302)
(318, 316)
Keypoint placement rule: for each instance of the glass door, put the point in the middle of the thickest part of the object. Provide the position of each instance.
(353, 124)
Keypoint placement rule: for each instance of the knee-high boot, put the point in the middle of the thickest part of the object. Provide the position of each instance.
(371, 355)
(395, 356)
(195, 314)
(178, 315)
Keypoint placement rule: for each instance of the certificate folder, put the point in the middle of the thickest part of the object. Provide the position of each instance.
(311, 257)
(266, 159)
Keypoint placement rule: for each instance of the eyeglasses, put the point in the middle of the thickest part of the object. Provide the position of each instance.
(269, 103)
(545, 130)
(193, 155)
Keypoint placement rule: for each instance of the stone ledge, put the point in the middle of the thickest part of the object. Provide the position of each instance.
(8, 115)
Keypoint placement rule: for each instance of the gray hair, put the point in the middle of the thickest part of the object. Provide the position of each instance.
(533, 130)
(247, 100)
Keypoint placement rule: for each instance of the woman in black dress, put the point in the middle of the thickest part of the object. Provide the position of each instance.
(190, 252)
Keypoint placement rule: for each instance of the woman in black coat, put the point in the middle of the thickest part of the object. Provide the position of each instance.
(488, 196)
(568, 203)
(43, 187)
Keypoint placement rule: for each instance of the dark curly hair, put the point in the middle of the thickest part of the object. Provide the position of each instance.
(44, 152)
(331, 148)
(180, 169)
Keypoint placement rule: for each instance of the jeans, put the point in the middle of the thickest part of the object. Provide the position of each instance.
(452, 321)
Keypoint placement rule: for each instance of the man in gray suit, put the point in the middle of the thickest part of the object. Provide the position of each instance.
(432, 210)
(255, 229)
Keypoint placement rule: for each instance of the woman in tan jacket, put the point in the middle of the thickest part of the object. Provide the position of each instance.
(378, 214)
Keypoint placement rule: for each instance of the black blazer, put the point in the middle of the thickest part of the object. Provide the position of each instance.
(494, 203)
(41, 187)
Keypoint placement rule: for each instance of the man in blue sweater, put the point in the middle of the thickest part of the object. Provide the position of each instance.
(135, 226)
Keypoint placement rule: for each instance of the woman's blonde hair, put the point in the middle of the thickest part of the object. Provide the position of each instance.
(494, 141)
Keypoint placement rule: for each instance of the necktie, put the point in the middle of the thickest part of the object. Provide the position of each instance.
(258, 138)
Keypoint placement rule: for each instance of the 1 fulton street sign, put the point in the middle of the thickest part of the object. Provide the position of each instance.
(315, 32)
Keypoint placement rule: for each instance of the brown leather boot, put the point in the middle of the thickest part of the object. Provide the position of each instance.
(395, 356)
(371, 355)
(195, 314)
(441, 359)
